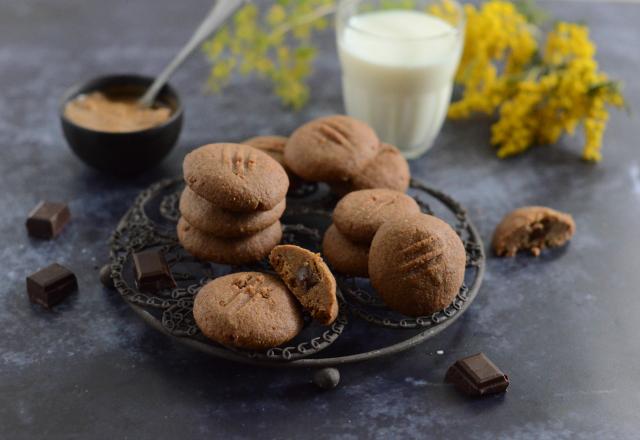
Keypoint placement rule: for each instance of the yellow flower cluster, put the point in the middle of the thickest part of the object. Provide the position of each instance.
(273, 43)
(496, 35)
(538, 93)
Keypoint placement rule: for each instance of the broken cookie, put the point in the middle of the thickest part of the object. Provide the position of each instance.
(532, 228)
(310, 280)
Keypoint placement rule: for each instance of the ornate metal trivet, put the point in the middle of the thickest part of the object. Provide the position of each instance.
(365, 328)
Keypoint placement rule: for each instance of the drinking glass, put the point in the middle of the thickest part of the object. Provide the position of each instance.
(398, 63)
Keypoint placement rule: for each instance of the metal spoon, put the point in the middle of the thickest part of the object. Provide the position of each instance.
(218, 14)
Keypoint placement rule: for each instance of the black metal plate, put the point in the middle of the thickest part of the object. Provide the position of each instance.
(365, 328)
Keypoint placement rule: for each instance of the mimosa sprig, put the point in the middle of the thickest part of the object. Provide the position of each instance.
(274, 44)
(539, 88)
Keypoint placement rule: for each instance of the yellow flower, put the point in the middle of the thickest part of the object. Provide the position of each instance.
(568, 41)
(537, 97)
(496, 34)
(446, 10)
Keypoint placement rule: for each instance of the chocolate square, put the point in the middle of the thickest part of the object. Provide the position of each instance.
(47, 219)
(152, 271)
(476, 375)
(51, 285)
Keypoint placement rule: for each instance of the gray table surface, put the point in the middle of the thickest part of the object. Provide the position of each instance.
(564, 327)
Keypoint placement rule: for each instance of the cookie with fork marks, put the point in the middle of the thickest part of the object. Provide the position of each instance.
(249, 310)
(331, 149)
(417, 264)
(236, 177)
(359, 214)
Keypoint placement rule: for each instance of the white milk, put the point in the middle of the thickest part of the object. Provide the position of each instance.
(397, 74)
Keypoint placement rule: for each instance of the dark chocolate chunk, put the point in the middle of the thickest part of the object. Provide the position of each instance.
(51, 285)
(476, 375)
(105, 276)
(306, 278)
(152, 271)
(48, 219)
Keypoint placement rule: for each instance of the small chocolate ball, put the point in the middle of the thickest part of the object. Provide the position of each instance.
(105, 276)
(327, 378)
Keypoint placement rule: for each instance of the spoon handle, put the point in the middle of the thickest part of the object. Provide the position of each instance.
(218, 14)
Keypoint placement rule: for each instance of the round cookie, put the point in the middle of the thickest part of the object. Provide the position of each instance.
(236, 177)
(417, 264)
(331, 149)
(389, 169)
(533, 228)
(344, 255)
(226, 224)
(310, 280)
(250, 310)
(272, 145)
(359, 214)
(228, 251)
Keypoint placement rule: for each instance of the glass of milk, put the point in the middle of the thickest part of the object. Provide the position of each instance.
(398, 64)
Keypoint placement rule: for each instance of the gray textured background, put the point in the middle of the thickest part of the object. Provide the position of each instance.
(564, 326)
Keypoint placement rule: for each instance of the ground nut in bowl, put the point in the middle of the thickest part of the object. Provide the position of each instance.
(106, 128)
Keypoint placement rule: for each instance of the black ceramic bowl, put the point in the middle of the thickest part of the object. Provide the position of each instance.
(127, 153)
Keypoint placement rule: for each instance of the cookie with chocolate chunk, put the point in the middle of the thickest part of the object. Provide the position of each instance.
(222, 223)
(389, 169)
(532, 228)
(228, 250)
(359, 214)
(236, 177)
(417, 264)
(344, 255)
(248, 310)
(309, 278)
(331, 149)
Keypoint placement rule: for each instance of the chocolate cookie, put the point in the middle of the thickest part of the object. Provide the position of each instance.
(417, 264)
(389, 169)
(359, 214)
(344, 255)
(236, 177)
(272, 145)
(228, 250)
(310, 280)
(249, 310)
(532, 228)
(331, 149)
(225, 224)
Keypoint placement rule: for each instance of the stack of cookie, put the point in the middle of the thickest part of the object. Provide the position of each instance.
(356, 219)
(347, 154)
(232, 204)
